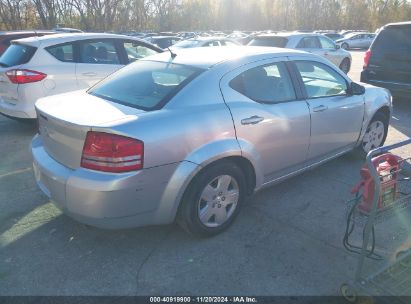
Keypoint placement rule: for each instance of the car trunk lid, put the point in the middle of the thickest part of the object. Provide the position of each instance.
(65, 119)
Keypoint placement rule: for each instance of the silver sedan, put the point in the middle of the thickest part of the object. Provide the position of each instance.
(356, 40)
(189, 135)
(312, 43)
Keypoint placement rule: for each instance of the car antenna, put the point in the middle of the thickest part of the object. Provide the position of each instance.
(173, 55)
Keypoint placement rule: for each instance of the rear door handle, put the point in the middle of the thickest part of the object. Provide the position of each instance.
(320, 108)
(89, 74)
(252, 120)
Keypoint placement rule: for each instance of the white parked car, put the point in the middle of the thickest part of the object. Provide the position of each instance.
(36, 67)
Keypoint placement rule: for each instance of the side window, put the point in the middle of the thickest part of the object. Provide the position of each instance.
(213, 43)
(326, 43)
(136, 51)
(62, 52)
(99, 52)
(309, 43)
(265, 84)
(320, 80)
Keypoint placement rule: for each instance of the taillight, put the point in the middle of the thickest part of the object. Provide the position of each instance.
(19, 76)
(367, 57)
(112, 153)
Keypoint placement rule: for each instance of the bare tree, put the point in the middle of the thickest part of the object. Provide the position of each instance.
(122, 15)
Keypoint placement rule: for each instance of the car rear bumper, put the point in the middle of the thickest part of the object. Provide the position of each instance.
(18, 110)
(106, 200)
(396, 89)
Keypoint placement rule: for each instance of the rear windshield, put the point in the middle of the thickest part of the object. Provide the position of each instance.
(17, 54)
(145, 85)
(280, 42)
(394, 38)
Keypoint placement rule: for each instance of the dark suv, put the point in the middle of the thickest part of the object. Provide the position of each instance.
(7, 37)
(387, 63)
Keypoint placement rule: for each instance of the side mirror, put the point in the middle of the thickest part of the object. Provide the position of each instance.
(337, 47)
(356, 89)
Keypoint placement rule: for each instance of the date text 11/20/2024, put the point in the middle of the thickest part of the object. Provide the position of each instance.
(203, 300)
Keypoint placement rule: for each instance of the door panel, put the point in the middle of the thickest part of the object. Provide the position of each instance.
(277, 130)
(329, 50)
(355, 42)
(335, 123)
(313, 45)
(336, 117)
(98, 59)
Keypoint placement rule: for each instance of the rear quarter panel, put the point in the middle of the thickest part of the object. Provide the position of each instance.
(194, 126)
(192, 131)
(60, 78)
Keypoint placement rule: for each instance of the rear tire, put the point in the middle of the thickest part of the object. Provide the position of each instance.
(212, 200)
(345, 46)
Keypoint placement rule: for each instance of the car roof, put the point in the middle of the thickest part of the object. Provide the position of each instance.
(68, 37)
(288, 34)
(24, 32)
(164, 37)
(207, 57)
(406, 23)
(209, 38)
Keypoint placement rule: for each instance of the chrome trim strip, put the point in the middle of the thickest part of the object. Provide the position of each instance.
(286, 176)
(112, 159)
(108, 164)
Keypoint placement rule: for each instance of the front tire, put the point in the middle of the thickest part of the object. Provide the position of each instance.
(345, 46)
(375, 135)
(212, 200)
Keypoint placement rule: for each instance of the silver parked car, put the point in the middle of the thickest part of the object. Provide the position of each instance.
(312, 43)
(189, 137)
(356, 41)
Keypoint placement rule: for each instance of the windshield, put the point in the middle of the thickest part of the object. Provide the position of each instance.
(145, 85)
(269, 41)
(187, 44)
(17, 54)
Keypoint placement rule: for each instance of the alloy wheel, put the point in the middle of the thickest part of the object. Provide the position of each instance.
(374, 136)
(218, 201)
